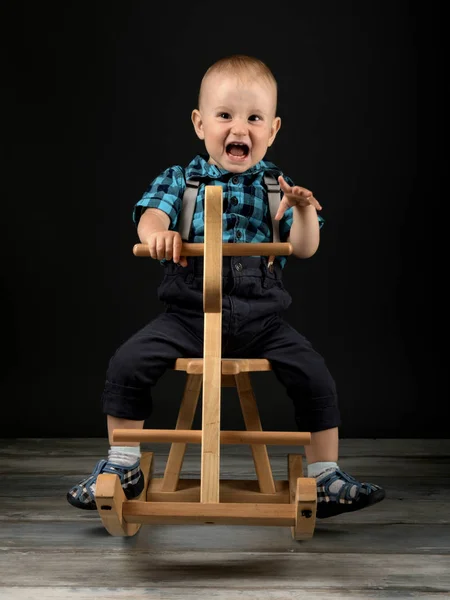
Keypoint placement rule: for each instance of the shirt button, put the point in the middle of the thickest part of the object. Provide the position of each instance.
(235, 179)
(238, 266)
(234, 200)
(238, 235)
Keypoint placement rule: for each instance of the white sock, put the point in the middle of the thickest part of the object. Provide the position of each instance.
(318, 468)
(124, 455)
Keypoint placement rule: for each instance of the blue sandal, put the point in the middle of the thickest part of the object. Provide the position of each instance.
(338, 492)
(131, 478)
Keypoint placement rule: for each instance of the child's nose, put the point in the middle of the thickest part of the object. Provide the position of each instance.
(239, 127)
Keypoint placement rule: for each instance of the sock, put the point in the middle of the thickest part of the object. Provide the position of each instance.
(124, 455)
(318, 468)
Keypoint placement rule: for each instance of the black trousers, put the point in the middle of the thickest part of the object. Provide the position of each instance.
(254, 300)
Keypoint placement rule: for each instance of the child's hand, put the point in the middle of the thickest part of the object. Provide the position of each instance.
(294, 196)
(166, 244)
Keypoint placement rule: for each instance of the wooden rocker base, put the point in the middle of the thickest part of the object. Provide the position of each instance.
(293, 504)
(110, 499)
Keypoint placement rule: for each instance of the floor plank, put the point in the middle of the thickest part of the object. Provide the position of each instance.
(348, 447)
(235, 466)
(365, 538)
(209, 593)
(236, 570)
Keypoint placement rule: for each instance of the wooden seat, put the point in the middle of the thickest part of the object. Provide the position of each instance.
(210, 499)
(230, 366)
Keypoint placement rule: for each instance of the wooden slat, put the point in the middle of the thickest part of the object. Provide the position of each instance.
(212, 347)
(185, 419)
(211, 435)
(212, 513)
(194, 436)
(231, 490)
(230, 366)
(252, 422)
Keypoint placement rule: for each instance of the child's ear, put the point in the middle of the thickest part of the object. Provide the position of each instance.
(276, 124)
(198, 123)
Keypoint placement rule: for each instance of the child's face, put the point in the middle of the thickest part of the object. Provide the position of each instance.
(236, 119)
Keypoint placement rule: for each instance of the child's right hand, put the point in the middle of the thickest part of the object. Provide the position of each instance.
(166, 245)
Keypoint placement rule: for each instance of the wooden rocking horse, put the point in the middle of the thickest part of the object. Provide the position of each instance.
(210, 499)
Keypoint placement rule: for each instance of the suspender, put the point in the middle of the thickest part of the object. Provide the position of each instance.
(273, 191)
(187, 209)
(190, 197)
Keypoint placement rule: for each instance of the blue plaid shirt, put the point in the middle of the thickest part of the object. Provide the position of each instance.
(246, 215)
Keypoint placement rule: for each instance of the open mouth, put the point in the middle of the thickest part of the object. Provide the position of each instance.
(237, 151)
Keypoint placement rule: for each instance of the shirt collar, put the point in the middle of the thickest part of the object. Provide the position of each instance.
(199, 168)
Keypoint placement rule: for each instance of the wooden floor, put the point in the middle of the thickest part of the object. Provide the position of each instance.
(397, 549)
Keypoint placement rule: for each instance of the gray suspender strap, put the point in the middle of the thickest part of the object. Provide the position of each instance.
(187, 209)
(273, 191)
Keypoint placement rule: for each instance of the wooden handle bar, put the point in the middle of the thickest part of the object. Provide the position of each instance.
(246, 249)
(194, 436)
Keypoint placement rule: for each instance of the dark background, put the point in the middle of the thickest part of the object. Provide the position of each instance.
(97, 102)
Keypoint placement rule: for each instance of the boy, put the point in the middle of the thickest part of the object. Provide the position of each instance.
(236, 119)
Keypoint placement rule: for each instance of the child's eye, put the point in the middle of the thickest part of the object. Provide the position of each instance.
(224, 115)
(254, 118)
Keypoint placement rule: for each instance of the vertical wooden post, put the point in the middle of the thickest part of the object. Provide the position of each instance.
(212, 360)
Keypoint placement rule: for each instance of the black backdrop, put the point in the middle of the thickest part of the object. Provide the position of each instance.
(98, 102)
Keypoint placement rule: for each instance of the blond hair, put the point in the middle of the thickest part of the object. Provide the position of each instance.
(242, 66)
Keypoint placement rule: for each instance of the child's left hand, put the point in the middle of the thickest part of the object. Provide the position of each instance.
(294, 196)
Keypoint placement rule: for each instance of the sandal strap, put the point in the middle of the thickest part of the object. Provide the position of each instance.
(344, 494)
(103, 466)
(84, 486)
